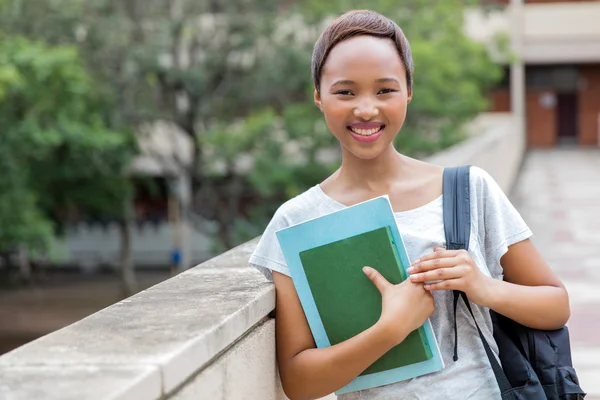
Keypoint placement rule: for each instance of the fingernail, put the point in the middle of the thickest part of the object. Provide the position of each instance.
(416, 261)
(414, 277)
(410, 270)
(438, 249)
(366, 270)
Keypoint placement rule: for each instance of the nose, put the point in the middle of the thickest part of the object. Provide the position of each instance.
(366, 110)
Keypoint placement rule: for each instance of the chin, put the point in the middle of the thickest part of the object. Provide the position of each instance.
(367, 154)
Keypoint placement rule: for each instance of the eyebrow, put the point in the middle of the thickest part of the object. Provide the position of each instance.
(387, 80)
(380, 80)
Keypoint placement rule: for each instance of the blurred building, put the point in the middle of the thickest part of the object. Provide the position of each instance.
(162, 234)
(555, 81)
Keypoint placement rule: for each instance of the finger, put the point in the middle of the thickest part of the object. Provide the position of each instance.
(436, 263)
(437, 254)
(439, 274)
(449, 284)
(378, 280)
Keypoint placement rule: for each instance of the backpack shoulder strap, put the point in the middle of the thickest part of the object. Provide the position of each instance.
(457, 207)
(457, 228)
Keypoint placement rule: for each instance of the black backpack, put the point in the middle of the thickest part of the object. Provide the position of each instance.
(536, 364)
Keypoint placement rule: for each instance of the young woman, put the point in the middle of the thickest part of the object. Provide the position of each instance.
(362, 70)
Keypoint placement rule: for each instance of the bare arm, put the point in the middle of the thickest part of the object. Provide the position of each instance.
(308, 372)
(531, 293)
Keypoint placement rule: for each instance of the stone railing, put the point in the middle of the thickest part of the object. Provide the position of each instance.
(495, 144)
(204, 334)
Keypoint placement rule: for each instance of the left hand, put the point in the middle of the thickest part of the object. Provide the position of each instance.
(455, 270)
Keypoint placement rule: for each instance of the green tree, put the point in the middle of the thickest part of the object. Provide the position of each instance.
(201, 65)
(235, 77)
(452, 74)
(56, 153)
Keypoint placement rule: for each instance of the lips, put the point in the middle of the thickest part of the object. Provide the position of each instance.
(366, 128)
(366, 125)
(373, 134)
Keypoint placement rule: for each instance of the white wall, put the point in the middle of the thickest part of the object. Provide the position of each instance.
(92, 246)
(552, 32)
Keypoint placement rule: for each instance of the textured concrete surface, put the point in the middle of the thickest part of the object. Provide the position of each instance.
(178, 325)
(558, 194)
(251, 364)
(79, 383)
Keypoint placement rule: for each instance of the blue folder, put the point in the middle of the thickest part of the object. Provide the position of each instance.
(350, 221)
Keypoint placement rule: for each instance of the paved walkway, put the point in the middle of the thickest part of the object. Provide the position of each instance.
(558, 195)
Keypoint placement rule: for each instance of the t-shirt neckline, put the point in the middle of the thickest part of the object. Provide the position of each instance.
(331, 200)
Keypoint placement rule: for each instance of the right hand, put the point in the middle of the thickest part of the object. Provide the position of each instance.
(404, 307)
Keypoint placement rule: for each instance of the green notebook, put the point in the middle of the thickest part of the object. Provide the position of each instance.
(348, 302)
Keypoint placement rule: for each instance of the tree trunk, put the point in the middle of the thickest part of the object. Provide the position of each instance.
(128, 280)
(224, 234)
(6, 266)
(24, 265)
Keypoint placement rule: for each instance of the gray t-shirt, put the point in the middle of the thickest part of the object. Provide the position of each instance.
(495, 225)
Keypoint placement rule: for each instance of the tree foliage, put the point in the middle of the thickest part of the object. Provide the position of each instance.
(235, 76)
(56, 154)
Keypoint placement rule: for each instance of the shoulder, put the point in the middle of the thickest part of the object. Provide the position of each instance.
(483, 185)
(480, 178)
(298, 207)
(267, 255)
(490, 202)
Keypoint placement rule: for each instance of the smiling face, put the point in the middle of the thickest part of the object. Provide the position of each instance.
(364, 95)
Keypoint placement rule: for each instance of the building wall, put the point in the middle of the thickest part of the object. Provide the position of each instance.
(541, 116)
(589, 105)
(555, 1)
(535, 1)
(540, 119)
(94, 246)
(500, 100)
(546, 32)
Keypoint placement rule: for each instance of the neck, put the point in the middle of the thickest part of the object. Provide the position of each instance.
(375, 174)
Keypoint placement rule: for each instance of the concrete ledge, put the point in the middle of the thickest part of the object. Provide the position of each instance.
(79, 383)
(495, 144)
(175, 327)
(204, 333)
(251, 364)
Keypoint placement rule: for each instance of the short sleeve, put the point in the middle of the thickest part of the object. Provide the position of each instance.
(501, 225)
(267, 256)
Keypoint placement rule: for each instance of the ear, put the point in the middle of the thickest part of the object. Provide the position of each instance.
(409, 99)
(317, 98)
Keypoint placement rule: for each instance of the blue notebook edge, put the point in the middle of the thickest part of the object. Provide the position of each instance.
(371, 214)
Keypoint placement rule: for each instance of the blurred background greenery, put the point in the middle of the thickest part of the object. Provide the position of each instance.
(79, 81)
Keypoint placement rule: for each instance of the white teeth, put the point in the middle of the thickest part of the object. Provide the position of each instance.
(365, 132)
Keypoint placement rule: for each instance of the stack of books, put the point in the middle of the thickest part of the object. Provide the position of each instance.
(326, 256)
